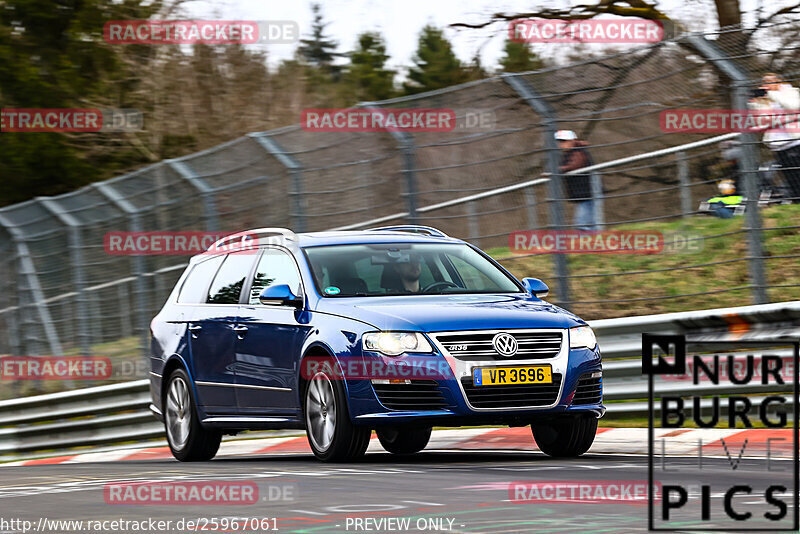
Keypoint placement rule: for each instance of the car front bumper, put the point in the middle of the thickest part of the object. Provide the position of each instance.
(454, 403)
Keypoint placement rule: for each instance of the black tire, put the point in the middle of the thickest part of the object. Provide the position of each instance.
(565, 438)
(347, 442)
(404, 440)
(199, 444)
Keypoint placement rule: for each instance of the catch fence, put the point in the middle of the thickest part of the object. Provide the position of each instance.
(62, 293)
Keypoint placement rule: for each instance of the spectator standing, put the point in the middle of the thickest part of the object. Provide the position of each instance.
(574, 155)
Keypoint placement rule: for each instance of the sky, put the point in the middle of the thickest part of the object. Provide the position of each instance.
(400, 21)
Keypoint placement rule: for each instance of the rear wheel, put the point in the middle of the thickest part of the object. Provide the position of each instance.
(404, 440)
(331, 434)
(188, 440)
(565, 438)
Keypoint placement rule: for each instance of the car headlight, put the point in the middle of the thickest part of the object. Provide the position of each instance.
(582, 337)
(395, 343)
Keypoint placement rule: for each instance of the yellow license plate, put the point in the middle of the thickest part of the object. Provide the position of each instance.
(505, 376)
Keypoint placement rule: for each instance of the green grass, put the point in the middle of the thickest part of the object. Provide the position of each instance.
(613, 285)
(728, 251)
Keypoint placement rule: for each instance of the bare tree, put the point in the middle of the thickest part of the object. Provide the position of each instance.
(729, 15)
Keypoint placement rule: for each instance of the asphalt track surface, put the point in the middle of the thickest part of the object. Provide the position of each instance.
(436, 490)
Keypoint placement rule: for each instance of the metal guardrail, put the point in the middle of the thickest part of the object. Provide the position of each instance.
(119, 412)
(83, 417)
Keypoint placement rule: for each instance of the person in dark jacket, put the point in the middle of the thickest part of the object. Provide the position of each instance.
(574, 155)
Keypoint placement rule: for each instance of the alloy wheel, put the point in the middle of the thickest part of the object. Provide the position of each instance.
(321, 411)
(178, 413)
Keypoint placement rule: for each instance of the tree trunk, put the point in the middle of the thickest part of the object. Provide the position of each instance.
(729, 14)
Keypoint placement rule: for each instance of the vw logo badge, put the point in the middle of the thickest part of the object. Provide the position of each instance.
(505, 344)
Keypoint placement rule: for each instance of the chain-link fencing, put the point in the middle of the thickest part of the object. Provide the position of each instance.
(499, 171)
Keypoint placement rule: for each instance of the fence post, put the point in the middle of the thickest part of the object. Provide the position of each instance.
(27, 274)
(599, 201)
(473, 224)
(14, 343)
(295, 170)
(73, 225)
(410, 171)
(748, 164)
(530, 208)
(123, 295)
(206, 192)
(683, 179)
(140, 311)
(543, 108)
(406, 145)
(12, 319)
(10, 309)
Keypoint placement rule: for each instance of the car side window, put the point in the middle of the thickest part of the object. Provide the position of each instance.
(274, 267)
(193, 290)
(472, 276)
(227, 285)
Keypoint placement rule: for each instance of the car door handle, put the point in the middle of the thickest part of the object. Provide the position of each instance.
(194, 329)
(240, 331)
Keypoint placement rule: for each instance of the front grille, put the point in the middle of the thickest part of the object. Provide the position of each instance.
(416, 395)
(471, 347)
(519, 396)
(589, 390)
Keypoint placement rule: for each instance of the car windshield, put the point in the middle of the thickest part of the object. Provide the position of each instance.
(405, 269)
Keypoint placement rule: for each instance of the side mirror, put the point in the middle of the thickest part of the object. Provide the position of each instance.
(536, 287)
(279, 295)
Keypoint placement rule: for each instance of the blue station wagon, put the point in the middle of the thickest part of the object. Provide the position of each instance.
(394, 329)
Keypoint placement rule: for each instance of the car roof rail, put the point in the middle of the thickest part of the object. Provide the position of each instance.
(411, 228)
(256, 233)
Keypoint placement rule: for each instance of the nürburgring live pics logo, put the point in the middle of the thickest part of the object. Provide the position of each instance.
(749, 417)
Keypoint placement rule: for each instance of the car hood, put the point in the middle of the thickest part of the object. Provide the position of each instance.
(438, 313)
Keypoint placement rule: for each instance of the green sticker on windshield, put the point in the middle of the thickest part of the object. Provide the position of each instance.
(332, 290)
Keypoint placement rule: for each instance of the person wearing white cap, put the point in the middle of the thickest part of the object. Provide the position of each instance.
(566, 135)
(574, 155)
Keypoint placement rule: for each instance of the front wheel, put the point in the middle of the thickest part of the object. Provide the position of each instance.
(404, 440)
(331, 434)
(565, 438)
(188, 440)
